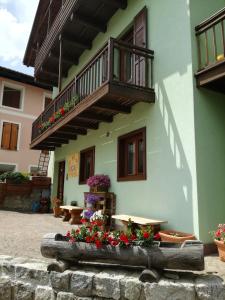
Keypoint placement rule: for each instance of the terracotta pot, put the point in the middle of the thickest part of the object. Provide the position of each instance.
(221, 249)
(173, 236)
(57, 212)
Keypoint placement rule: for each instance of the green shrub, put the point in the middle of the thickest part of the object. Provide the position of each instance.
(15, 177)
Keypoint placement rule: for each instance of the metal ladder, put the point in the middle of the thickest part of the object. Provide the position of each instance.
(43, 163)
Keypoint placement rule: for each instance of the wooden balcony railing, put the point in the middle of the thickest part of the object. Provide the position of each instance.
(118, 62)
(211, 40)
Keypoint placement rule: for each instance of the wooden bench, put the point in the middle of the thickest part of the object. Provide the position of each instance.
(71, 213)
(139, 221)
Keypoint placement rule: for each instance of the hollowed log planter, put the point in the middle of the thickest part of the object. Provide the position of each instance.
(160, 256)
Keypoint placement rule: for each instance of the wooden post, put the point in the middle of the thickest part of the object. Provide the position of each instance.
(214, 43)
(110, 59)
(60, 63)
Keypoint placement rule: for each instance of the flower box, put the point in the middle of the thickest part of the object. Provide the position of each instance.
(173, 236)
(19, 188)
(159, 256)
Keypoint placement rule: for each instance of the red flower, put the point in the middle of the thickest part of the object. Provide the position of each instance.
(62, 111)
(77, 231)
(133, 237)
(124, 238)
(83, 221)
(88, 239)
(114, 243)
(68, 234)
(98, 244)
(146, 235)
(218, 233)
(157, 237)
(52, 119)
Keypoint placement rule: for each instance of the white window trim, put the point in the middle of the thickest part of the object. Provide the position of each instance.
(45, 95)
(10, 164)
(14, 86)
(19, 134)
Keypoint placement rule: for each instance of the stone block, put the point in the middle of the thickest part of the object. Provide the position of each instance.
(5, 288)
(130, 288)
(170, 290)
(66, 296)
(81, 283)
(107, 284)
(60, 281)
(44, 293)
(31, 272)
(22, 291)
(210, 287)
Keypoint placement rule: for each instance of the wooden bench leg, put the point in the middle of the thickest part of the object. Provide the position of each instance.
(75, 217)
(67, 215)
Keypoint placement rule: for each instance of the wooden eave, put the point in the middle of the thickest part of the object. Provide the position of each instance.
(78, 22)
(101, 106)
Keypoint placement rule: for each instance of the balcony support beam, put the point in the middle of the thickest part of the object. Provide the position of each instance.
(122, 4)
(54, 139)
(83, 124)
(95, 117)
(89, 22)
(73, 40)
(111, 107)
(64, 134)
(65, 59)
(74, 129)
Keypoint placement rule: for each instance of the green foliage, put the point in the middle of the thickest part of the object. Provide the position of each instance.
(15, 177)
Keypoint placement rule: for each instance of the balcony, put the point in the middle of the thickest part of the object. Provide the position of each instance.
(211, 53)
(76, 25)
(116, 78)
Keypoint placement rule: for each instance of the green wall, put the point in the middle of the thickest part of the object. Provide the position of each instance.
(209, 110)
(170, 191)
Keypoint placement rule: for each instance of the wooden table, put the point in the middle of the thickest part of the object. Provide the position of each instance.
(71, 213)
(141, 222)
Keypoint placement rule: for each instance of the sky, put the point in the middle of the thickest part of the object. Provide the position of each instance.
(16, 19)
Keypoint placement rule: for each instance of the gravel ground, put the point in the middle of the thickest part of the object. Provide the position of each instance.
(21, 233)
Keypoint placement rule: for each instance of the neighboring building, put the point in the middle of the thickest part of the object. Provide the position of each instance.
(21, 101)
(135, 114)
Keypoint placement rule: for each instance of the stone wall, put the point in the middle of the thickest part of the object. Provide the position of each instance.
(27, 279)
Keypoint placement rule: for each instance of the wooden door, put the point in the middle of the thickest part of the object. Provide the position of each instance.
(61, 177)
(126, 59)
(140, 39)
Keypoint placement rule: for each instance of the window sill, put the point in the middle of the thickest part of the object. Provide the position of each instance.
(132, 178)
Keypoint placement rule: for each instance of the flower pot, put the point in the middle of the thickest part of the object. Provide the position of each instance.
(173, 236)
(221, 249)
(57, 212)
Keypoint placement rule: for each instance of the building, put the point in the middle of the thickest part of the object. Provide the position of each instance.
(141, 84)
(21, 101)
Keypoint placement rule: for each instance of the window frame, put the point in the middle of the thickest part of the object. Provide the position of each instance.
(18, 138)
(82, 152)
(121, 147)
(13, 86)
(10, 164)
(45, 95)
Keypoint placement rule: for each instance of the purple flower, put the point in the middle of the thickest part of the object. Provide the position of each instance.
(92, 198)
(88, 214)
(99, 180)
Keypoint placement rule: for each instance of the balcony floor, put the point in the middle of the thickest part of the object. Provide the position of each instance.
(105, 102)
(212, 77)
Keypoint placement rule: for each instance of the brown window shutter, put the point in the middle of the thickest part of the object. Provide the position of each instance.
(140, 39)
(14, 136)
(6, 133)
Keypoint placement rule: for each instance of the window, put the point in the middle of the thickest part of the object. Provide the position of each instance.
(47, 100)
(12, 97)
(9, 136)
(33, 170)
(87, 164)
(131, 163)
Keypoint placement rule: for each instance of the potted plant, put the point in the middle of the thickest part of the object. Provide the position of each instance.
(175, 236)
(219, 239)
(99, 183)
